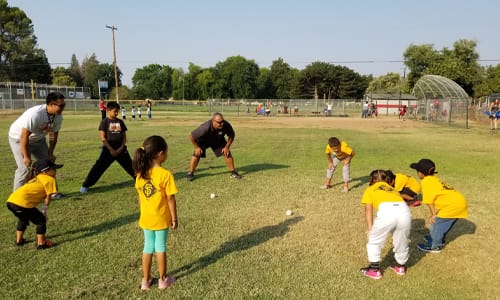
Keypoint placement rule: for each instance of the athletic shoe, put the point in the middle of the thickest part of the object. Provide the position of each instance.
(47, 244)
(372, 273)
(84, 190)
(57, 196)
(21, 242)
(235, 175)
(428, 248)
(165, 283)
(145, 285)
(427, 239)
(399, 269)
(345, 190)
(325, 187)
(190, 176)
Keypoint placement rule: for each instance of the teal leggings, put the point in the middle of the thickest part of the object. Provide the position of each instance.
(155, 241)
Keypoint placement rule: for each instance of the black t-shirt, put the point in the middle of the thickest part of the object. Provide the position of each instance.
(113, 131)
(207, 134)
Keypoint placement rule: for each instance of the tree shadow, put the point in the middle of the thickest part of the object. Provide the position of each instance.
(418, 231)
(242, 243)
(96, 229)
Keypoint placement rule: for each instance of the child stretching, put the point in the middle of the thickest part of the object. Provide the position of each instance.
(336, 152)
(112, 132)
(393, 215)
(156, 188)
(407, 186)
(446, 205)
(23, 201)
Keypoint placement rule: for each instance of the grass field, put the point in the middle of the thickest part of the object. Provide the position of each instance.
(241, 244)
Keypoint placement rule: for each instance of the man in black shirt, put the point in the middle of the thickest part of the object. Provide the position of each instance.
(212, 134)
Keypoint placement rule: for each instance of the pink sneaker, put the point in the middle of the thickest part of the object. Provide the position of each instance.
(146, 284)
(399, 269)
(165, 283)
(372, 273)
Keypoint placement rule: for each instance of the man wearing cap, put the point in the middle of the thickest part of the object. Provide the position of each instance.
(212, 134)
(27, 135)
(446, 205)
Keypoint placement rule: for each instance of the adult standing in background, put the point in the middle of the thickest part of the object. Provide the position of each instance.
(212, 134)
(494, 109)
(27, 135)
(364, 114)
(102, 108)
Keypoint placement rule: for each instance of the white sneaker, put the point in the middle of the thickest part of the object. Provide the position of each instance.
(325, 187)
(84, 190)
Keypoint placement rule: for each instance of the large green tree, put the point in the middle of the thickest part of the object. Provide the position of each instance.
(153, 81)
(237, 77)
(331, 81)
(391, 83)
(284, 79)
(459, 64)
(20, 59)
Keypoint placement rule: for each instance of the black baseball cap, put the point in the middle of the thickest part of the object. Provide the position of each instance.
(424, 166)
(45, 164)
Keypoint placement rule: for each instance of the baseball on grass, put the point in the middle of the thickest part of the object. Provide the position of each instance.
(289, 212)
(212, 195)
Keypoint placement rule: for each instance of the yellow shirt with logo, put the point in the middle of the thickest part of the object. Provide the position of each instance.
(380, 192)
(343, 153)
(448, 202)
(34, 191)
(403, 180)
(155, 213)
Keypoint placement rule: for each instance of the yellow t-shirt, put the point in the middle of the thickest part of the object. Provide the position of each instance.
(34, 191)
(344, 152)
(403, 180)
(380, 192)
(448, 202)
(155, 214)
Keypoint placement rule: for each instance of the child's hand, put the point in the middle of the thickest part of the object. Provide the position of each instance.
(174, 224)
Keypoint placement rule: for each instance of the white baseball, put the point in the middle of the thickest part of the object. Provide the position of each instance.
(212, 195)
(289, 212)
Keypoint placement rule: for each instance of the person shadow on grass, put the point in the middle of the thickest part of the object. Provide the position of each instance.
(418, 231)
(242, 243)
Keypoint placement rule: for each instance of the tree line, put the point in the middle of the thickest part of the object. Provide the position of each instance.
(238, 77)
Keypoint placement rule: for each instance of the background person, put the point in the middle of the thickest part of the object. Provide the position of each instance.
(494, 109)
(158, 210)
(114, 147)
(27, 136)
(102, 108)
(212, 134)
(23, 202)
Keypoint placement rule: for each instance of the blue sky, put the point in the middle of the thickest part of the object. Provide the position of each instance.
(369, 37)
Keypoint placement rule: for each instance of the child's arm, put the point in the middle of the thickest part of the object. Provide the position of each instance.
(348, 159)
(432, 209)
(172, 206)
(369, 216)
(45, 205)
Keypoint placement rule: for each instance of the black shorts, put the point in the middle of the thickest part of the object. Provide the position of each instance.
(408, 192)
(216, 146)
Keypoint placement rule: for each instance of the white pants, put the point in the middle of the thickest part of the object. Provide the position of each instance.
(395, 218)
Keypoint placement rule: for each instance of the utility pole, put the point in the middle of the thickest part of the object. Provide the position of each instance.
(113, 28)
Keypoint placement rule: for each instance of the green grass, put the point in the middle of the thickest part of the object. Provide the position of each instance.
(241, 244)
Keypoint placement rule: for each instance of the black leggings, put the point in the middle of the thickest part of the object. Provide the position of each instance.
(25, 215)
